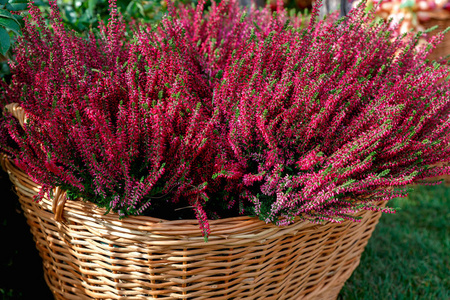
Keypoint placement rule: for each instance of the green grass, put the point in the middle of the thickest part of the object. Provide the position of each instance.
(408, 255)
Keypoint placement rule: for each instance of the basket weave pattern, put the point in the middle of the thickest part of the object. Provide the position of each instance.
(443, 49)
(90, 255)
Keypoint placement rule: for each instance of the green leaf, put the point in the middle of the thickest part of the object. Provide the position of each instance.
(3, 2)
(11, 25)
(41, 3)
(6, 14)
(18, 6)
(5, 41)
(91, 6)
(141, 8)
(19, 20)
(129, 7)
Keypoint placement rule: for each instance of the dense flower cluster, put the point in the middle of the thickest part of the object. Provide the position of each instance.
(314, 118)
(228, 111)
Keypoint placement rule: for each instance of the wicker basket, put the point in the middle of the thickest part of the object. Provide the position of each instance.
(445, 178)
(442, 20)
(91, 255)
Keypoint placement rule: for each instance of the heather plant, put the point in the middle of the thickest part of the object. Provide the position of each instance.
(118, 119)
(108, 120)
(227, 111)
(324, 122)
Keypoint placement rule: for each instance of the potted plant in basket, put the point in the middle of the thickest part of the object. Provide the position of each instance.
(281, 141)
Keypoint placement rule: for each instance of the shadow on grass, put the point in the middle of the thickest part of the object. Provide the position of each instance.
(408, 256)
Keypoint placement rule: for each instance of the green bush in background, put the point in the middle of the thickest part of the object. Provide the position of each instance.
(81, 15)
(11, 21)
(10, 24)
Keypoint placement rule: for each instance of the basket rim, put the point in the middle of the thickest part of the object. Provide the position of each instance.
(96, 216)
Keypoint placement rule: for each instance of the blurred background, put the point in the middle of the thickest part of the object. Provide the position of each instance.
(408, 256)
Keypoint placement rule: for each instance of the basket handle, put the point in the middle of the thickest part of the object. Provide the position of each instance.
(59, 196)
(17, 112)
(59, 203)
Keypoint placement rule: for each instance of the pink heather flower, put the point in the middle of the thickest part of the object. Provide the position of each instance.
(229, 111)
(311, 159)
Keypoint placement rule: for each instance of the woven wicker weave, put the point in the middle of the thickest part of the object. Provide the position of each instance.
(444, 178)
(91, 255)
(443, 49)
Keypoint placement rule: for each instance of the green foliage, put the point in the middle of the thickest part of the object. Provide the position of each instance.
(10, 29)
(10, 24)
(82, 15)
